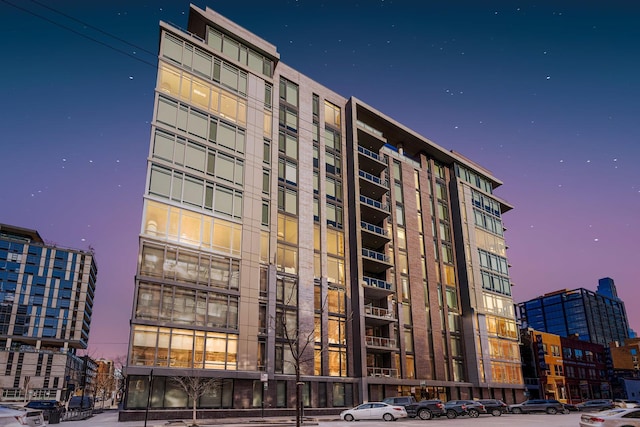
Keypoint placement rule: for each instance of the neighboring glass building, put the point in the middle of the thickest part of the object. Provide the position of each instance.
(46, 302)
(590, 316)
(289, 229)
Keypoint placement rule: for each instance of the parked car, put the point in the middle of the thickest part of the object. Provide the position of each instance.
(20, 417)
(426, 409)
(80, 402)
(616, 417)
(47, 407)
(399, 400)
(456, 408)
(374, 411)
(595, 405)
(550, 406)
(494, 407)
(624, 403)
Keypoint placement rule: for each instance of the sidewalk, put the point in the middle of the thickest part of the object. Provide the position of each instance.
(109, 418)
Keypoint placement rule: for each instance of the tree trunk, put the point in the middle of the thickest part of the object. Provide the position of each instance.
(195, 411)
(298, 397)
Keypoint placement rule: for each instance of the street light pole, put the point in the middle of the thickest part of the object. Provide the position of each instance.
(146, 412)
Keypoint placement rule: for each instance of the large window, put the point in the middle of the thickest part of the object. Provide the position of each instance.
(203, 95)
(179, 225)
(185, 348)
(207, 128)
(203, 63)
(237, 51)
(203, 194)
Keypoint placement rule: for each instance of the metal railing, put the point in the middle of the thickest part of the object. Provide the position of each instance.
(379, 312)
(369, 153)
(374, 255)
(373, 371)
(374, 203)
(373, 178)
(378, 283)
(370, 128)
(380, 342)
(373, 228)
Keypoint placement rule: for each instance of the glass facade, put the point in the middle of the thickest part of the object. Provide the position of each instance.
(46, 302)
(580, 312)
(295, 237)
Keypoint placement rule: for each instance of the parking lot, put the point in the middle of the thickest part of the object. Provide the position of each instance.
(507, 420)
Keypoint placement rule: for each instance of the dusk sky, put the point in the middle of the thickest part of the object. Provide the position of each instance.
(544, 94)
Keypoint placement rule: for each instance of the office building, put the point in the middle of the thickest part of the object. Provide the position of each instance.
(585, 370)
(46, 302)
(288, 228)
(591, 316)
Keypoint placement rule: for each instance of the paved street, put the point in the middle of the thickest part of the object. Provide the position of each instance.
(110, 419)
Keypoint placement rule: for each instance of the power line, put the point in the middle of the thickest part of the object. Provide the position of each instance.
(57, 24)
(94, 28)
(301, 120)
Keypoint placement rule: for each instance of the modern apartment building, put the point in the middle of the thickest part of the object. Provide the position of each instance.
(288, 229)
(46, 302)
(591, 316)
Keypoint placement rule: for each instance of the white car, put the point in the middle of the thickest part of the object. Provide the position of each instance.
(619, 417)
(374, 411)
(14, 417)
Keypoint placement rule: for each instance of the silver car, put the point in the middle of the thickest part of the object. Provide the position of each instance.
(20, 417)
(612, 418)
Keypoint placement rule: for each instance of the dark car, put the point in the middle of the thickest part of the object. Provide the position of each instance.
(426, 409)
(550, 406)
(595, 405)
(79, 403)
(456, 408)
(494, 407)
(399, 400)
(48, 407)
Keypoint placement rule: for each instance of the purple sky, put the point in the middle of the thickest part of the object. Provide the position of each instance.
(543, 94)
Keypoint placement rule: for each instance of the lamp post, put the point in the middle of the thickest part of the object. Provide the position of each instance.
(264, 377)
(146, 412)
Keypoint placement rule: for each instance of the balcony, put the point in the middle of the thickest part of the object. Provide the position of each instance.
(376, 288)
(369, 137)
(373, 211)
(380, 343)
(371, 162)
(373, 236)
(373, 371)
(375, 262)
(372, 186)
(377, 316)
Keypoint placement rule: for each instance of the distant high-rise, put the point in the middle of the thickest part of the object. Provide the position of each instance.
(607, 287)
(598, 317)
(46, 302)
(286, 226)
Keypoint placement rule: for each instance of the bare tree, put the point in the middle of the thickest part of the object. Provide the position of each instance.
(195, 387)
(104, 385)
(299, 338)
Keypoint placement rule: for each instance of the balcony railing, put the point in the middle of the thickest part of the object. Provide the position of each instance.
(371, 154)
(374, 255)
(378, 311)
(377, 283)
(372, 371)
(373, 178)
(369, 128)
(374, 203)
(380, 342)
(373, 228)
